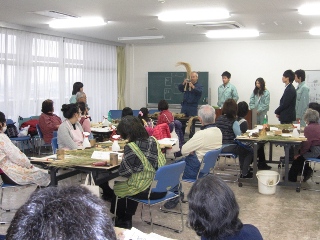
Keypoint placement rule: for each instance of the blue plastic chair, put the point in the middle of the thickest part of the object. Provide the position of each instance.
(54, 144)
(207, 164)
(309, 160)
(115, 114)
(165, 179)
(40, 141)
(225, 169)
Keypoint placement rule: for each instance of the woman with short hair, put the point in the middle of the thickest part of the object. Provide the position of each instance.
(48, 121)
(70, 132)
(309, 148)
(214, 212)
(142, 158)
(165, 115)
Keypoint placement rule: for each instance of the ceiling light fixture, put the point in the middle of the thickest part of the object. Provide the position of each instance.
(194, 15)
(140, 38)
(315, 31)
(77, 22)
(310, 9)
(233, 33)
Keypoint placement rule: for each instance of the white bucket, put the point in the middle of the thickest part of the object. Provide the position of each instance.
(267, 181)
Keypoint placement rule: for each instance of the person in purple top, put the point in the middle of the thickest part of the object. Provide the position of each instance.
(214, 212)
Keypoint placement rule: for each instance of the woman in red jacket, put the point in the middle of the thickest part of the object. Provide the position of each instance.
(165, 115)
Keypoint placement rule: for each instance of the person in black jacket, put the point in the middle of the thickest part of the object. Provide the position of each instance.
(286, 112)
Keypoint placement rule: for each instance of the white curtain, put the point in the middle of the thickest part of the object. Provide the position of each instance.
(35, 67)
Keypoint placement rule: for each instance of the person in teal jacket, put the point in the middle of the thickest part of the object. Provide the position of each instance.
(302, 96)
(260, 100)
(226, 90)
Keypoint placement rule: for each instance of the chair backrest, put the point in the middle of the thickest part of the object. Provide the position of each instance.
(54, 144)
(115, 114)
(208, 162)
(22, 120)
(39, 131)
(167, 177)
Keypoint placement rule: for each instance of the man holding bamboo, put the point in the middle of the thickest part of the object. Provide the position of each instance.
(192, 93)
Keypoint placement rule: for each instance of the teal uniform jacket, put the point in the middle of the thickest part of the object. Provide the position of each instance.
(261, 104)
(226, 92)
(302, 101)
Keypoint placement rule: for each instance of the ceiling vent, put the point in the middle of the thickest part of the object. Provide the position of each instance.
(54, 14)
(217, 25)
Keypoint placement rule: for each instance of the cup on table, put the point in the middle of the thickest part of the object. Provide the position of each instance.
(60, 154)
(113, 159)
(92, 142)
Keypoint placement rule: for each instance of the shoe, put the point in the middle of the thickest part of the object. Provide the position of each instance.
(307, 175)
(174, 202)
(249, 175)
(264, 166)
(127, 224)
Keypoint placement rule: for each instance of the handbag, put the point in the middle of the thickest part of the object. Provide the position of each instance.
(93, 188)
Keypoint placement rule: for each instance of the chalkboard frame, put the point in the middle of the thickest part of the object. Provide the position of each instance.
(169, 84)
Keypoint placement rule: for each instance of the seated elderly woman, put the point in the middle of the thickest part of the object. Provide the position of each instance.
(48, 122)
(84, 120)
(62, 213)
(309, 148)
(214, 212)
(230, 129)
(15, 167)
(142, 157)
(165, 115)
(70, 132)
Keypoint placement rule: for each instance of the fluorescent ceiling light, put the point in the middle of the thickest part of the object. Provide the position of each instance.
(194, 15)
(232, 33)
(77, 22)
(140, 38)
(315, 31)
(310, 9)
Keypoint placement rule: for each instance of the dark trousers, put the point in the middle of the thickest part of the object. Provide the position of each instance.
(296, 168)
(291, 150)
(126, 208)
(7, 180)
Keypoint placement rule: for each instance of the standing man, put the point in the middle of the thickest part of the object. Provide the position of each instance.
(226, 90)
(286, 112)
(302, 96)
(192, 93)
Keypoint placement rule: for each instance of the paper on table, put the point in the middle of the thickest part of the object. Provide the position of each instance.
(168, 141)
(104, 155)
(135, 234)
(107, 129)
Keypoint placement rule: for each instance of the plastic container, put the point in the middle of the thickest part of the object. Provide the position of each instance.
(267, 181)
(295, 132)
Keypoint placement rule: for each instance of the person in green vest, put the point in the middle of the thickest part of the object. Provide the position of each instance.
(142, 158)
(302, 96)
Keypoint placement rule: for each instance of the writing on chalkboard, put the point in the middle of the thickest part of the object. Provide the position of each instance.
(164, 85)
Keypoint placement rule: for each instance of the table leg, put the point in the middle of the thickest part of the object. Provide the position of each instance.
(53, 177)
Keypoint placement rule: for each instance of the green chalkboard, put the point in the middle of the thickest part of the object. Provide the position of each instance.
(164, 85)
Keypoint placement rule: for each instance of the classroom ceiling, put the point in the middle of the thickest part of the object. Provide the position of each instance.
(274, 19)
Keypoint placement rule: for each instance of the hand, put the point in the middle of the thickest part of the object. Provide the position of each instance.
(298, 119)
(185, 81)
(277, 115)
(296, 156)
(191, 85)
